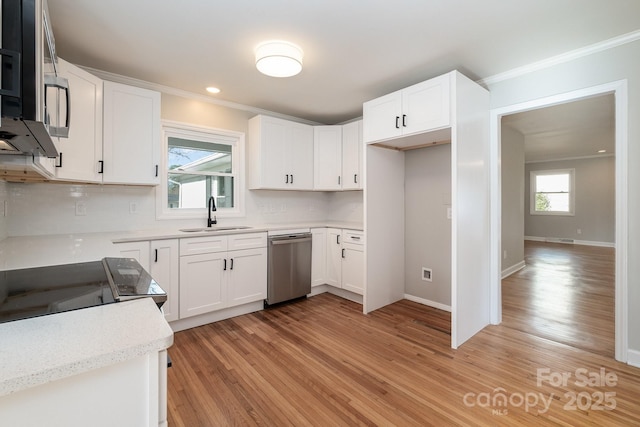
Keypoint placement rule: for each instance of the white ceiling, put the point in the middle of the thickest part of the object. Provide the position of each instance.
(354, 50)
(575, 129)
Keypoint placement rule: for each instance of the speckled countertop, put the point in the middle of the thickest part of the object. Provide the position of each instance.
(48, 348)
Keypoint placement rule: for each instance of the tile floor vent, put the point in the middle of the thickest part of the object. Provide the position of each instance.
(558, 240)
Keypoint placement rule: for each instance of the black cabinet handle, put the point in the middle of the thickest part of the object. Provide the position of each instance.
(292, 178)
(343, 253)
(355, 178)
(156, 256)
(404, 117)
(101, 166)
(231, 264)
(287, 179)
(338, 239)
(225, 265)
(156, 171)
(397, 125)
(338, 180)
(59, 165)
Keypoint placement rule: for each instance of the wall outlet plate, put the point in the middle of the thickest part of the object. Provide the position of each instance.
(81, 209)
(427, 274)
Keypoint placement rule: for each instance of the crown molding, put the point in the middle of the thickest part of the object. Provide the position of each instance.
(562, 58)
(118, 78)
(564, 159)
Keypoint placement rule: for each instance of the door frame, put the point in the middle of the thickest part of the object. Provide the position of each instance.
(619, 90)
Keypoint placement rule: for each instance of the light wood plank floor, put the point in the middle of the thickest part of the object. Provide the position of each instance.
(566, 293)
(321, 362)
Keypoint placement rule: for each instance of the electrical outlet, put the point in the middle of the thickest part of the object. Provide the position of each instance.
(133, 208)
(579, 231)
(427, 274)
(504, 255)
(81, 209)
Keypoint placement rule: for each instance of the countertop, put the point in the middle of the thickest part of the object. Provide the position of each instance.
(48, 348)
(38, 251)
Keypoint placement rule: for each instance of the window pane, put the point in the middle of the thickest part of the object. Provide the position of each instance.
(193, 191)
(552, 202)
(199, 156)
(552, 183)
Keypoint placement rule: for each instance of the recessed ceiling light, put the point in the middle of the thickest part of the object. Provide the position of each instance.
(212, 89)
(602, 151)
(278, 58)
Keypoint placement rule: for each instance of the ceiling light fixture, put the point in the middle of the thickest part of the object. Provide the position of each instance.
(212, 89)
(278, 58)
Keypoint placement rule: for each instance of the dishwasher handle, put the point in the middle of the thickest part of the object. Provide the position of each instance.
(289, 241)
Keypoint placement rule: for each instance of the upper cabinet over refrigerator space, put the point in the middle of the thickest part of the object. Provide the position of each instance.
(421, 108)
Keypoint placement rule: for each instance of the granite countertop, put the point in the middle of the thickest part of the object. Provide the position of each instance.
(49, 348)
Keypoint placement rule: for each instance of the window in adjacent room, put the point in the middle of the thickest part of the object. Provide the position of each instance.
(200, 163)
(552, 192)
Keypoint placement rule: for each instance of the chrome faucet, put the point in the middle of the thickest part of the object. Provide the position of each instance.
(211, 208)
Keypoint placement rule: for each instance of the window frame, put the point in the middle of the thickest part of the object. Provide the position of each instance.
(172, 129)
(533, 191)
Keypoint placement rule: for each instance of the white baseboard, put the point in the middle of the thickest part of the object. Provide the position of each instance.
(427, 302)
(570, 241)
(515, 267)
(633, 358)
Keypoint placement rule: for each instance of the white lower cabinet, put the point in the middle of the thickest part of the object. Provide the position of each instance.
(214, 276)
(338, 258)
(160, 259)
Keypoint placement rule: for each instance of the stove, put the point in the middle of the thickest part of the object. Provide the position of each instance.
(40, 291)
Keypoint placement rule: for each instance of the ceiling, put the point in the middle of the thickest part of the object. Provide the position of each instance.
(566, 131)
(354, 51)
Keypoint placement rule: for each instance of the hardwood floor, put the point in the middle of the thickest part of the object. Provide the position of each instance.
(321, 362)
(566, 293)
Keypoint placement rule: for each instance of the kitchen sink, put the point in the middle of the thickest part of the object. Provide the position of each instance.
(209, 229)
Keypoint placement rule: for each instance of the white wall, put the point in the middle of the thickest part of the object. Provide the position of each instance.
(594, 202)
(614, 64)
(512, 162)
(40, 209)
(427, 228)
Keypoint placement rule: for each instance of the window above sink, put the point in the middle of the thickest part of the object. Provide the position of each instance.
(200, 162)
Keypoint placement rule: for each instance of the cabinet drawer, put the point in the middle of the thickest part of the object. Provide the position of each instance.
(353, 236)
(247, 241)
(203, 245)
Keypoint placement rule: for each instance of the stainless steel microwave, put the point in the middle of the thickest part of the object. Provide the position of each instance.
(35, 101)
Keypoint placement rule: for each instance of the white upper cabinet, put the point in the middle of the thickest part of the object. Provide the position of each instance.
(80, 152)
(131, 151)
(419, 108)
(280, 154)
(352, 156)
(327, 157)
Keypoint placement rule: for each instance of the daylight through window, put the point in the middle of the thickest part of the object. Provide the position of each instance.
(552, 192)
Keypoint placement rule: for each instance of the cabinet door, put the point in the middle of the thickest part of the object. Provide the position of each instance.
(202, 283)
(273, 151)
(247, 276)
(381, 118)
(353, 268)
(327, 157)
(334, 257)
(300, 156)
(136, 250)
(425, 106)
(352, 156)
(80, 152)
(131, 148)
(164, 267)
(318, 256)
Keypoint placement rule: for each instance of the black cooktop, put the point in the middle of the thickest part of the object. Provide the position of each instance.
(32, 292)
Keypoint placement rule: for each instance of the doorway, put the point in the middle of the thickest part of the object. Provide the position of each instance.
(618, 91)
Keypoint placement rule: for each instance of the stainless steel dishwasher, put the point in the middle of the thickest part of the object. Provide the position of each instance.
(289, 272)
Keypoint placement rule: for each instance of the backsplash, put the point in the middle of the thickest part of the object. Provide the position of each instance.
(44, 209)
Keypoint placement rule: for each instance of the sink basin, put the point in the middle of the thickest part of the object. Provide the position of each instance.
(228, 228)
